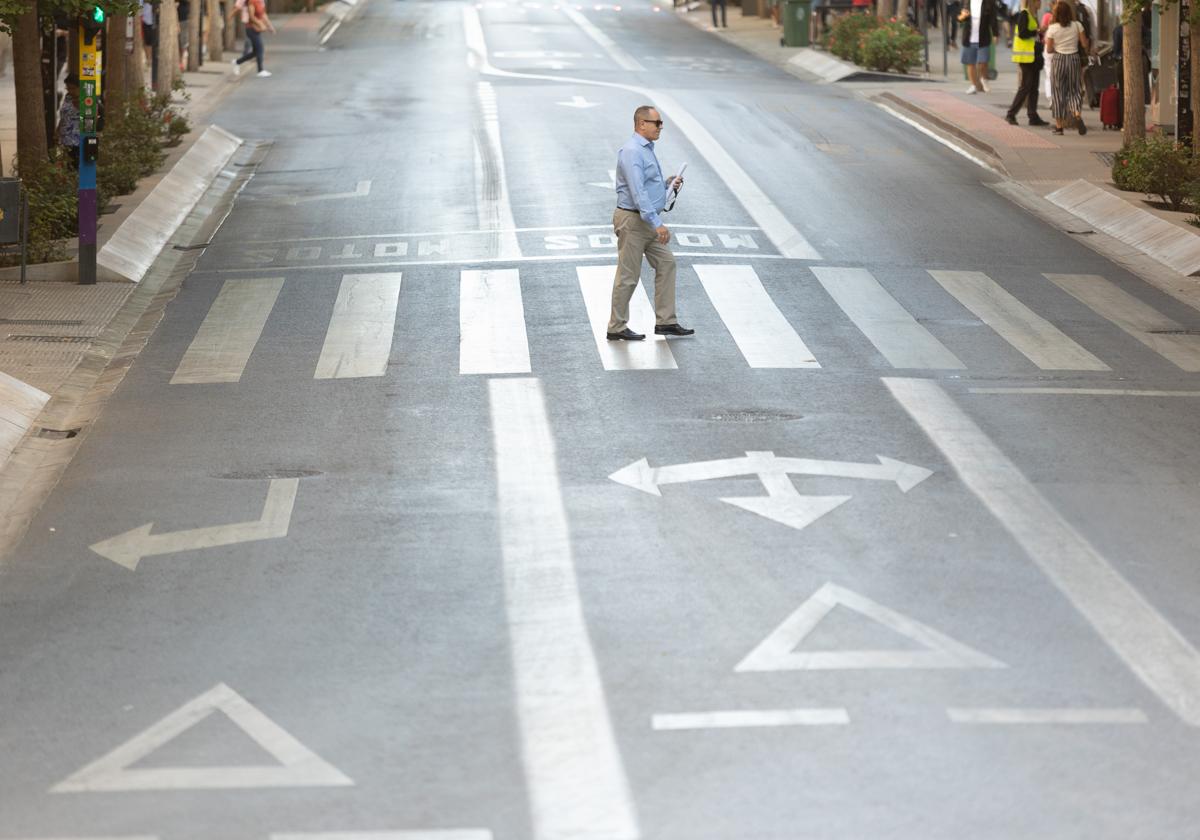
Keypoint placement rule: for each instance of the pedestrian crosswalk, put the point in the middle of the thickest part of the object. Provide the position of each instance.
(495, 328)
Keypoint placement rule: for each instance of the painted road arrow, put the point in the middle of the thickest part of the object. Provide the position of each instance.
(578, 102)
(783, 503)
(641, 476)
(129, 548)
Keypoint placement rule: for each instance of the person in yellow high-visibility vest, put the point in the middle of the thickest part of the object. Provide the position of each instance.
(1027, 53)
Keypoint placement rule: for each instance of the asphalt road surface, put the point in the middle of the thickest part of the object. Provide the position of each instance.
(902, 544)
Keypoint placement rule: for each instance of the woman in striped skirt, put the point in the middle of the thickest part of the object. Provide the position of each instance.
(1066, 39)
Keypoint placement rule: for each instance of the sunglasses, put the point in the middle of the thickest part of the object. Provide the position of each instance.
(658, 123)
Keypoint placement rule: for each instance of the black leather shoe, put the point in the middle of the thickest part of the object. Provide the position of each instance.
(1038, 121)
(1011, 120)
(672, 329)
(625, 335)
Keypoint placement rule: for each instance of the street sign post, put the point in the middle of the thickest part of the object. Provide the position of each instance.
(91, 25)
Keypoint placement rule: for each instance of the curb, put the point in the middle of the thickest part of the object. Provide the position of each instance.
(1157, 238)
(20, 405)
(940, 123)
(337, 13)
(133, 247)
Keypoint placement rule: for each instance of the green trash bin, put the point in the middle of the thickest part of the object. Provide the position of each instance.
(797, 18)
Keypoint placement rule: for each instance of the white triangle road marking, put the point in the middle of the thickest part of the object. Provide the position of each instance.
(778, 651)
(298, 765)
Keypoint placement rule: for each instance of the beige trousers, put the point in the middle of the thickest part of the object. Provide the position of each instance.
(635, 239)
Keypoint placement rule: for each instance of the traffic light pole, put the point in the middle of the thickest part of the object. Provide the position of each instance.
(90, 25)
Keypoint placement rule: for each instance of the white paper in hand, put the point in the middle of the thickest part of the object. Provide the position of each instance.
(673, 191)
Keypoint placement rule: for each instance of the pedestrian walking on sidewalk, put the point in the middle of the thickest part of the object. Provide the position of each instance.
(641, 197)
(1027, 54)
(715, 4)
(979, 30)
(257, 23)
(1066, 39)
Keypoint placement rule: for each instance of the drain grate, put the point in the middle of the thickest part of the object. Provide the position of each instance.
(39, 322)
(1107, 158)
(57, 434)
(1174, 332)
(750, 415)
(52, 339)
(258, 475)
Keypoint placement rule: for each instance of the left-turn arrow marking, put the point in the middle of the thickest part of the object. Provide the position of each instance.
(129, 548)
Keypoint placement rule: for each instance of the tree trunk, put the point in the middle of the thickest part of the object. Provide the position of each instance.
(27, 79)
(135, 78)
(116, 70)
(1194, 41)
(216, 31)
(902, 11)
(883, 8)
(233, 27)
(193, 39)
(1135, 75)
(168, 47)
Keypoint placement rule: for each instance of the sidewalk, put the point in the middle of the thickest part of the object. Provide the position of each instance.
(50, 325)
(1048, 166)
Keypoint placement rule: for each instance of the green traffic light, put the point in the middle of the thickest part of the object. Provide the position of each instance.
(98, 14)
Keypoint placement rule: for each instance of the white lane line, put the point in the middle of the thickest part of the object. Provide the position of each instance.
(603, 255)
(576, 781)
(623, 59)
(491, 181)
(1046, 716)
(491, 323)
(1143, 322)
(1032, 335)
(227, 336)
(764, 336)
(596, 284)
(358, 341)
(750, 718)
(887, 324)
(432, 834)
(1153, 649)
(105, 837)
(1092, 392)
(439, 233)
(939, 138)
(786, 238)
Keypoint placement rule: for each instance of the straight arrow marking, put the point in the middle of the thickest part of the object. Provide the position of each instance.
(361, 190)
(129, 548)
(578, 102)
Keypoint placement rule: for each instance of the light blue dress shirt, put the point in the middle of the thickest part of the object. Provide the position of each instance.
(640, 183)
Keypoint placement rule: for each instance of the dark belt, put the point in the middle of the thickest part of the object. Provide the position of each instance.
(628, 210)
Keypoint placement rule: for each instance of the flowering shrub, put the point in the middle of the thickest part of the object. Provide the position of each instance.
(1157, 166)
(845, 36)
(892, 46)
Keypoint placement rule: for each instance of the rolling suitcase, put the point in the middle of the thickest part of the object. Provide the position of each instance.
(1111, 106)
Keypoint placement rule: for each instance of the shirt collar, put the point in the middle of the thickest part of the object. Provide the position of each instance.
(642, 141)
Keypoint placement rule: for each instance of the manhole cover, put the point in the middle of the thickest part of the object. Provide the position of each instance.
(260, 475)
(750, 415)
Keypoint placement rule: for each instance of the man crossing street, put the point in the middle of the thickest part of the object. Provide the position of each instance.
(641, 197)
